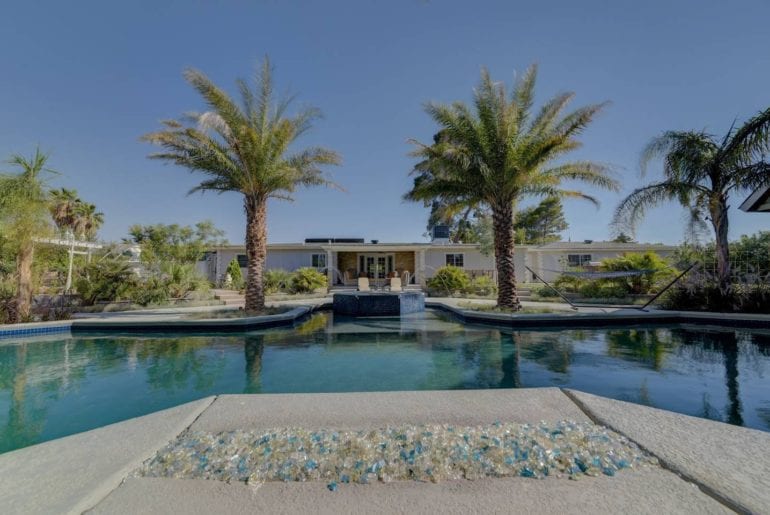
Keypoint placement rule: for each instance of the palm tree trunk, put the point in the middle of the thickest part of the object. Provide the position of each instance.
(720, 224)
(502, 225)
(730, 350)
(256, 250)
(24, 273)
(254, 348)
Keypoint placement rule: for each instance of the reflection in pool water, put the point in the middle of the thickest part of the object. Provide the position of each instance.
(62, 385)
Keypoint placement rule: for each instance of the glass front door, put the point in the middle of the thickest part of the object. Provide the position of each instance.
(376, 266)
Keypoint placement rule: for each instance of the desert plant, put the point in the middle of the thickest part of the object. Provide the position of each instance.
(307, 280)
(449, 280)
(276, 280)
(246, 149)
(182, 279)
(106, 280)
(493, 154)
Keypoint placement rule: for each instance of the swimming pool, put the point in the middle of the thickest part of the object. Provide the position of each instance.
(58, 385)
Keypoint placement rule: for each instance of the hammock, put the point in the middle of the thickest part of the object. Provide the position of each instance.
(607, 275)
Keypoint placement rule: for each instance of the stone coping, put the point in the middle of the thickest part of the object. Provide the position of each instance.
(728, 462)
(649, 491)
(619, 317)
(185, 325)
(88, 470)
(155, 322)
(73, 473)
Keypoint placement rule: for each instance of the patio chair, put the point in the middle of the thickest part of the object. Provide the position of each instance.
(395, 284)
(363, 284)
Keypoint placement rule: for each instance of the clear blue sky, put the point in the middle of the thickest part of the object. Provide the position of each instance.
(85, 79)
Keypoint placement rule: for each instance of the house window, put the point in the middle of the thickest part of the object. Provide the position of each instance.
(242, 261)
(318, 261)
(454, 260)
(578, 259)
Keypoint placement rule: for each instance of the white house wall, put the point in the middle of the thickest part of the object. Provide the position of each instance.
(291, 259)
(287, 259)
(223, 259)
(473, 259)
(549, 264)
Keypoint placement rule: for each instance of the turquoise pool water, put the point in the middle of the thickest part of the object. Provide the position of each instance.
(59, 385)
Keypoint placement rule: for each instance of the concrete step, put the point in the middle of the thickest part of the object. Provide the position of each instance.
(229, 297)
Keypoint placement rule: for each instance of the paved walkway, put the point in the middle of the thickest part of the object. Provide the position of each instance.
(708, 467)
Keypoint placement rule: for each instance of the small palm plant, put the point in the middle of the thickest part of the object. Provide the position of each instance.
(701, 171)
(24, 215)
(497, 152)
(245, 149)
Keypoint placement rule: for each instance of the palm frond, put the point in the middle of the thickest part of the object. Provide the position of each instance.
(243, 148)
(751, 141)
(635, 205)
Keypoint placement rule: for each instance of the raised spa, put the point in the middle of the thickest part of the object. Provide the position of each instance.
(367, 304)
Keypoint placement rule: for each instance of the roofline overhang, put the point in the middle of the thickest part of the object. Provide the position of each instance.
(637, 248)
(757, 202)
(409, 247)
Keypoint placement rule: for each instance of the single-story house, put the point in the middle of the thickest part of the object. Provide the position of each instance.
(346, 259)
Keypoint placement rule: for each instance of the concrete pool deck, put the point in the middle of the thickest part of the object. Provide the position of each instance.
(708, 467)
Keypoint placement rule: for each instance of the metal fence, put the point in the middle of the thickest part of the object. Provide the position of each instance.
(744, 266)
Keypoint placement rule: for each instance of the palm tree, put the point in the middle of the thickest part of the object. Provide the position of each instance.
(24, 215)
(86, 220)
(245, 149)
(499, 152)
(701, 172)
(62, 208)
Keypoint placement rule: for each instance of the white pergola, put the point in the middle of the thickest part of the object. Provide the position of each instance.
(73, 247)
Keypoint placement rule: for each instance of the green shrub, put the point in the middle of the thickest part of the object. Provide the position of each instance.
(276, 280)
(602, 290)
(543, 292)
(7, 300)
(568, 283)
(236, 276)
(659, 272)
(182, 279)
(307, 280)
(483, 286)
(449, 280)
(154, 290)
(702, 293)
(106, 280)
